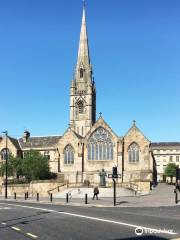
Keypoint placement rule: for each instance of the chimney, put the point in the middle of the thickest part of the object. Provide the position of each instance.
(26, 136)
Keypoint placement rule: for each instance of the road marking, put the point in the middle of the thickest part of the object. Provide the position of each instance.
(92, 218)
(5, 208)
(31, 235)
(3, 223)
(15, 228)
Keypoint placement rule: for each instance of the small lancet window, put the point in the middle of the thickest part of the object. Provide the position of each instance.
(81, 72)
(5, 153)
(68, 155)
(80, 107)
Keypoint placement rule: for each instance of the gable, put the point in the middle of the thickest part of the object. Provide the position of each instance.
(134, 134)
(101, 124)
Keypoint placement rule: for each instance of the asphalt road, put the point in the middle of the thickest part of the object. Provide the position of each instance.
(20, 221)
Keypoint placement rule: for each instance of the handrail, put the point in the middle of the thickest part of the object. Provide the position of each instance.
(134, 187)
(57, 187)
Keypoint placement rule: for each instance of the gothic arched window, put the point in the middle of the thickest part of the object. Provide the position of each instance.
(5, 152)
(100, 145)
(68, 155)
(133, 152)
(81, 72)
(80, 107)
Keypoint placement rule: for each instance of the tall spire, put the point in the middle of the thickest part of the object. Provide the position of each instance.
(83, 53)
(83, 90)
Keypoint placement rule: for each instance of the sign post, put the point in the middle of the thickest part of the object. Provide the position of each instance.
(114, 176)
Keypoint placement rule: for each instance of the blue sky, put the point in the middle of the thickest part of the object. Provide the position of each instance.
(134, 48)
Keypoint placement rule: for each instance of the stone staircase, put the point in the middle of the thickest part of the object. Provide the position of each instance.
(79, 192)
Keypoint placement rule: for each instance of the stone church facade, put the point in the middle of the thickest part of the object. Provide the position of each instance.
(89, 145)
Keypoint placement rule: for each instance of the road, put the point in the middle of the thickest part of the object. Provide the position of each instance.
(21, 221)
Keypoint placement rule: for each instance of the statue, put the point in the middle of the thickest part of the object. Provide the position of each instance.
(102, 175)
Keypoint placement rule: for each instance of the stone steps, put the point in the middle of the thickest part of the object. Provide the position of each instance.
(103, 192)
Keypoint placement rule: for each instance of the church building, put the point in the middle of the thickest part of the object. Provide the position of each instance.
(89, 144)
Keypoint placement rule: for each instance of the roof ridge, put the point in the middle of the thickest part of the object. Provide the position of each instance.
(43, 136)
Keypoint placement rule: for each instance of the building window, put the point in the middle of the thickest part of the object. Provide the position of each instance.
(133, 153)
(80, 107)
(100, 145)
(177, 158)
(81, 72)
(47, 155)
(68, 155)
(170, 158)
(5, 153)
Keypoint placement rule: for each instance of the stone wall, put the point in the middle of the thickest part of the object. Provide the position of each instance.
(41, 187)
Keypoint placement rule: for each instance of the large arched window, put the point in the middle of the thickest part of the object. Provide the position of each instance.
(68, 155)
(80, 107)
(5, 153)
(100, 145)
(133, 152)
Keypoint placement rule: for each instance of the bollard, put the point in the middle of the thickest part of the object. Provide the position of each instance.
(37, 197)
(25, 196)
(51, 197)
(58, 189)
(86, 198)
(67, 197)
(14, 195)
(176, 197)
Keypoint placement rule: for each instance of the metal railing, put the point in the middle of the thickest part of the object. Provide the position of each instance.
(57, 188)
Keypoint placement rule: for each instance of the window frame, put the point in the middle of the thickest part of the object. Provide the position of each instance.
(68, 155)
(133, 153)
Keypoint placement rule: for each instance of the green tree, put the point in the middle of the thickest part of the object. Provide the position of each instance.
(170, 170)
(10, 167)
(34, 166)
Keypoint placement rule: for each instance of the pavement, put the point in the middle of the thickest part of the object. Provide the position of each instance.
(162, 195)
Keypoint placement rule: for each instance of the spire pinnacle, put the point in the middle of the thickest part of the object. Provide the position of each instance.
(83, 53)
(84, 3)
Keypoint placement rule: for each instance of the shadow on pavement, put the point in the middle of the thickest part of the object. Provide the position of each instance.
(119, 203)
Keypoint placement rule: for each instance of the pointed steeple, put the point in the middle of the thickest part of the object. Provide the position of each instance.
(83, 53)
(83, 91)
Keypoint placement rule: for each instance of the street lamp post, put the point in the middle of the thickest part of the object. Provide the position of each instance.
(6, 178)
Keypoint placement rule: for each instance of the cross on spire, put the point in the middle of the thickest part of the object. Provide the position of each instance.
(134, 122)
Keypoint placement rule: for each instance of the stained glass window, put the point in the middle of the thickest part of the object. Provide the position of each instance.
(68, 155)
(100, 146)
(133, 153)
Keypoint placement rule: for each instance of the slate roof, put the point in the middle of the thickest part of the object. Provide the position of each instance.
(39, 142)
(15, 142)
(164, 144)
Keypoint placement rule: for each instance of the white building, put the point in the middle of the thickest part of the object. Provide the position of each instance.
(164, 153)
